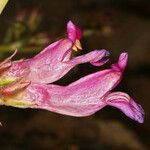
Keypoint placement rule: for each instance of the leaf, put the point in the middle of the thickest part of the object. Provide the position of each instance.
(2, 5)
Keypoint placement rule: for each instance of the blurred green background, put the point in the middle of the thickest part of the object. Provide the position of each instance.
(30, 25)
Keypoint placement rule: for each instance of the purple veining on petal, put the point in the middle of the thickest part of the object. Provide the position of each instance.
(126, 104)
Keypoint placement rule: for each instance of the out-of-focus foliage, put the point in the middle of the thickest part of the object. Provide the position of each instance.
(23, 32)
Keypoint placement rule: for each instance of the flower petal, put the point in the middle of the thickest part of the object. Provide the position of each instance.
(81, 98)
(15, 70)
(126, 104)
(53, 62)
(73, 32)
(48, 67)
(100, 82)
(52, 98)
(47, 71)
(55, 51)
(122, 62)
(95, 57)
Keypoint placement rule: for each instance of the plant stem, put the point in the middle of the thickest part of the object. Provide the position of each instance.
(29, 49)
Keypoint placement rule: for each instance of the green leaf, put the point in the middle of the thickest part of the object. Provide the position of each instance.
(2, 5)
(4, 82)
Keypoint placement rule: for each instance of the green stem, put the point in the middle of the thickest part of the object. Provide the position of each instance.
(29, 49)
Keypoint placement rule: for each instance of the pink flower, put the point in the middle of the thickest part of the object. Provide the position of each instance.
(54, 61)
(80, 98)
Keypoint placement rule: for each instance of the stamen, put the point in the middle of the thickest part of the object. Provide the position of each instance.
(77, 46)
